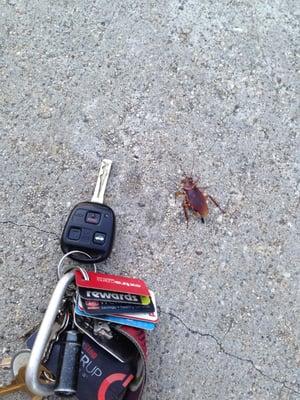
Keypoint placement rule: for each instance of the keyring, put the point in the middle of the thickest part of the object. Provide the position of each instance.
(67, 268)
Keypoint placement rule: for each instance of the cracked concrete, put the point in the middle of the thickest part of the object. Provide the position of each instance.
(161, 88)
(30, 227)
(284, 384)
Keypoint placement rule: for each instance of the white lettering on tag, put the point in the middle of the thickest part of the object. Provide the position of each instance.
(89, 367)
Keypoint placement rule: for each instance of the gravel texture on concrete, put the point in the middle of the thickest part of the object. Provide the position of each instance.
(208, 88)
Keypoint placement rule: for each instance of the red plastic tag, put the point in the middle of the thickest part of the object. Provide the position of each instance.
(112, 283)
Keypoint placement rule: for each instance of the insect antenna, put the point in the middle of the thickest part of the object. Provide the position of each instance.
(181, 167)
(172, 179)
(199, 154)
(192, 173)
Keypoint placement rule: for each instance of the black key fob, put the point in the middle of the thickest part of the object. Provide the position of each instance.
(90, 228)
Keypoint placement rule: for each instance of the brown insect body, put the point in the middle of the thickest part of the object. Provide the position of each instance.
(195, 198)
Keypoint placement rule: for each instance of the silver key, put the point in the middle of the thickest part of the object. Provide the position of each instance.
(58, 328)
(98, 196)
(102, 337)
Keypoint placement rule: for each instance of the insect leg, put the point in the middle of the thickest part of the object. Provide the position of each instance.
(199, 215)
(179, 193)
(215, 203)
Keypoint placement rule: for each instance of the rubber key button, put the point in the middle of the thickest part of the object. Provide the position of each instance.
(74, 234)
(80, 212)
(99, 238)
(92, 218)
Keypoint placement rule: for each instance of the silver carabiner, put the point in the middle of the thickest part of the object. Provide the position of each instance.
(41, 341)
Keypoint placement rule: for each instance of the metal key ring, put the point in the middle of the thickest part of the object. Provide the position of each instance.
(61, 272)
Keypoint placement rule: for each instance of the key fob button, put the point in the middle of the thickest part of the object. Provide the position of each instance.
(99, 238)
(92, 218)
(80, 212)
(74, 234)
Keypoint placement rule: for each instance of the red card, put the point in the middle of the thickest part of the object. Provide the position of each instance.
(112, 283)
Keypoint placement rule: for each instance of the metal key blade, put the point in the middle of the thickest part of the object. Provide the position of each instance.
(17, 366)
(5, 363)
(18, 385)
(98, 196)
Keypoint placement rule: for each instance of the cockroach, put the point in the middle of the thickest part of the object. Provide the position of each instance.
(195, 198)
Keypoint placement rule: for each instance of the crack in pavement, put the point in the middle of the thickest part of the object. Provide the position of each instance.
(29, 226)
(284, 383)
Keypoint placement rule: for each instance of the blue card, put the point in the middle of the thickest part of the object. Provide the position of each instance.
(117, 320)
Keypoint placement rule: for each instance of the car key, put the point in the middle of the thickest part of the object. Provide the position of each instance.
(106, 338)
(17, 367)
(90, 227)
